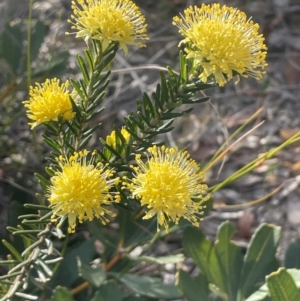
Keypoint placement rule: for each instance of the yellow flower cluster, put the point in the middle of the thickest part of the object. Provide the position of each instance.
(166, 185)
(49, 102)
(81, 190)
(109, 21)
(222, 42)
(111, 139)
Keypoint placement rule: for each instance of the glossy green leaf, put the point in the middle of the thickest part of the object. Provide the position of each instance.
(292, 255)
(230, 259)
(95, 276)
(191, 287)
(282, 286)
(149, 286)
(62, 294)
(202, 251)
(260, 253)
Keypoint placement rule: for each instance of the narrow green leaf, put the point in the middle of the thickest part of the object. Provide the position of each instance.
(35, 206)
(104, 81)
(164, 95)
(182, 62)
(52, 143)
(85, 141)
(96, 102)
(166, 125)
(260, 253)
(156, 97)
(94, 114)
(89, 59)
(145, 120)
(194, 101)
(62, 294)
(191, 287)
(90, 131)
(147, 102)
(282, 286)
(43, 182)
(77, 88)
(12, 249)
(172, 75)
(83, 69)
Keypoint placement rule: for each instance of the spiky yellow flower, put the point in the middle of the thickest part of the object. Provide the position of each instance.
(222, 42)
(111, 139)
(81, 190)
(166, 185)
(109, 21)
(49, 101)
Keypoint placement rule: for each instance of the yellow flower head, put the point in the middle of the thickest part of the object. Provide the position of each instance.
(166, 184)
(109, 21)
(111, 139)
(81, 190)
(49, 101)
(222, 42)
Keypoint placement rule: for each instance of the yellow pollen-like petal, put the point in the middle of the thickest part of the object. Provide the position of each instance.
(48, 102)
(109, 21)
(81, 191)
(166, 185)
(222, 42)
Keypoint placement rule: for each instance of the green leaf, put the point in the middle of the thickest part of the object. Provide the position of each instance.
(94, 276)
(230, 259)
(282, 286)
(160, 260)
(11, 45)
(83, 69)
(38, 33)
(133, 232)
(53, 68)
(108, 291)
(260, 254)
(149, 286)
(292, 255)
(201, 250)
(62, 294)
(191, 287)
(262, 294)
(67, 273)
(12, 249)
(133, 298)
